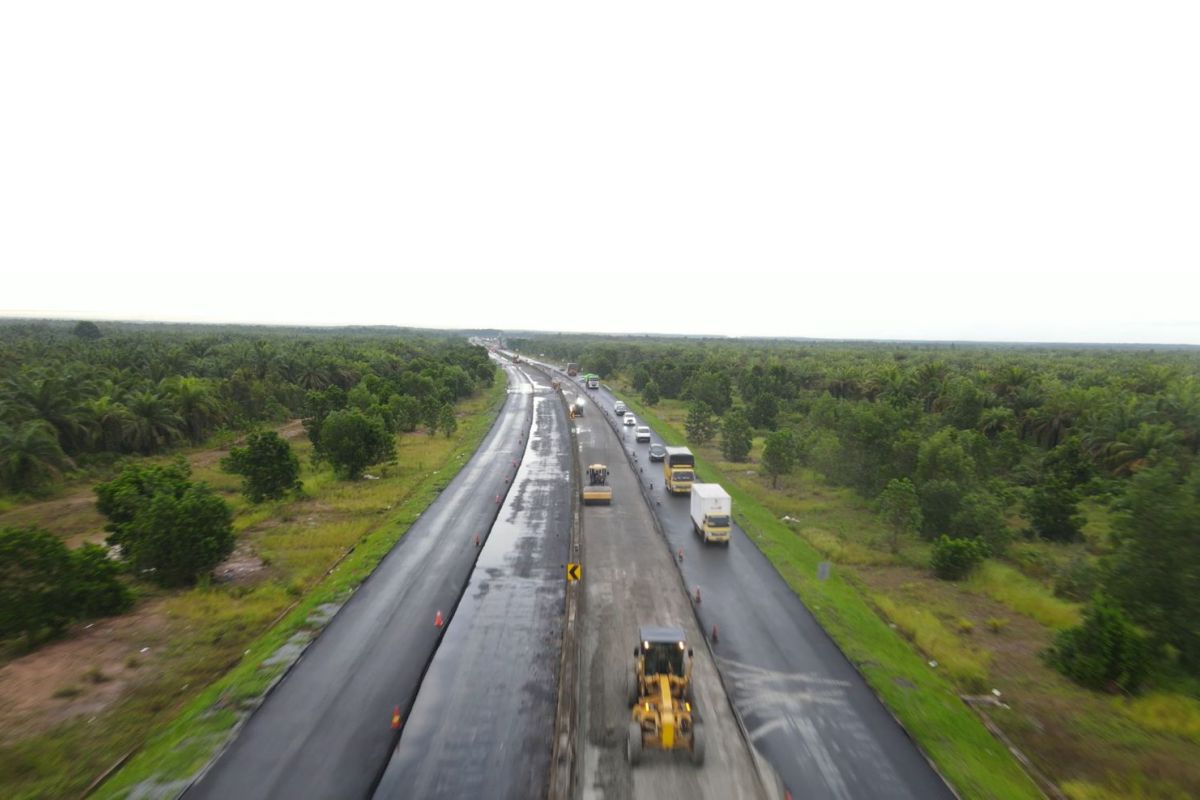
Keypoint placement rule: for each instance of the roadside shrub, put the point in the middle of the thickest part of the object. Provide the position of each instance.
(352, 441)
(177, 540)
(1077, 579)
(953, 559)
(268, 467)
(44, 586)
(1104, 652)
(96, 589)
(996, 624)
(167, 527)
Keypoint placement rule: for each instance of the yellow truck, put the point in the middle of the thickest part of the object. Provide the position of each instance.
(679, 470)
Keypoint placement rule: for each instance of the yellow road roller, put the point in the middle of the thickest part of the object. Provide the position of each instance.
(597, 489)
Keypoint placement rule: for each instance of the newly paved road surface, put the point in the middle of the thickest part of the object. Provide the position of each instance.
(483, 721)
(325, 732)
(629, 580)
(807, 710)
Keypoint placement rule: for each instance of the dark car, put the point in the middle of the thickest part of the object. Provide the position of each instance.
(657, 452)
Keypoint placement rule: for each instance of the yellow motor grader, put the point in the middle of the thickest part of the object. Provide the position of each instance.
(663, 713)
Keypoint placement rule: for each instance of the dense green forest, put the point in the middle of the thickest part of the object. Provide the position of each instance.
(989, 444)
(74, 395)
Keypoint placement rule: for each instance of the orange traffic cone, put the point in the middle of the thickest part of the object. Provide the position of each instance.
(396, 718)
(437, 619)
(477, 540)
(715, 638)
(681, 554)
(697, 595)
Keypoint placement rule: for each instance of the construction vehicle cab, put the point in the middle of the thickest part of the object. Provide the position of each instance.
(662, 712)
(597, 489)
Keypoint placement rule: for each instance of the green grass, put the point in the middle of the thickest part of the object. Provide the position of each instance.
(186, 699)
(1171, 714)
(967, 667)
(1006, 585)
(922, 699)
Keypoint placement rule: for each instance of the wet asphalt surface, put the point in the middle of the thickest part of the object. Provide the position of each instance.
(325, 730)
(483, 721)
(805, 707)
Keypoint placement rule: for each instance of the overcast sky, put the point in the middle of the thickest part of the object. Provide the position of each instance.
(948, 170)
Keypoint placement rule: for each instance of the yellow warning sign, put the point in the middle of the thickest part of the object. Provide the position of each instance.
(574, 571)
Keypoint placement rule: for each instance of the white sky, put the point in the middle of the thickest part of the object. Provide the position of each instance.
(1024, 170)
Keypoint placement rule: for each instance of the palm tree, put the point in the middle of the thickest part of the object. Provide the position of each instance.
(995, 420)
(929, 378)
(1180, 405)
(195, 403)
(54, 400)
(1008, 381)
(108, 420)
(30, 454)
(843, 382)
(152, 424)
(1140, 447)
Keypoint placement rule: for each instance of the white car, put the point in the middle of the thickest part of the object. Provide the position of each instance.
(642, 434)
(630, 420)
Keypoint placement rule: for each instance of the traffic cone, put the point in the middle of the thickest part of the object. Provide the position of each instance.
(477, 540)
(715, 638)
(497, 499)
(396, 718)
(437, 620)
(697, 595)
(681, 554)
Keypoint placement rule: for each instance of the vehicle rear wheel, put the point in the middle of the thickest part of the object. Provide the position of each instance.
(698, 744)
(633, 747)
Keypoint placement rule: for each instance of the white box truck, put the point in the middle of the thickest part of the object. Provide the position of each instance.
(711, 512)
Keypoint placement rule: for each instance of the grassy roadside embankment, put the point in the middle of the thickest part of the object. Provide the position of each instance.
(986, 632)
(974, 762)
(212, 659)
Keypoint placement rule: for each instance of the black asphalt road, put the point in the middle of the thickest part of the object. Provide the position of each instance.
(483, 721)
(805, 707)
(325, 731)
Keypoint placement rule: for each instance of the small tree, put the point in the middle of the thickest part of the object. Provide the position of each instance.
(97, 591)
(941, 500)
(1052, 507)
(651, 394)
(268, 467)
(85, 329)
(35, 600)
(166, 526)
(44, 586)
(447, 421)
(701, 425)
(405, 411)
(981, 516)
(901, 509)
(351, 441)
(764, 410)
(954, 559)
(178, 539)
(122, 498)
(779, 455)
(1103, 652)
(736, 436)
